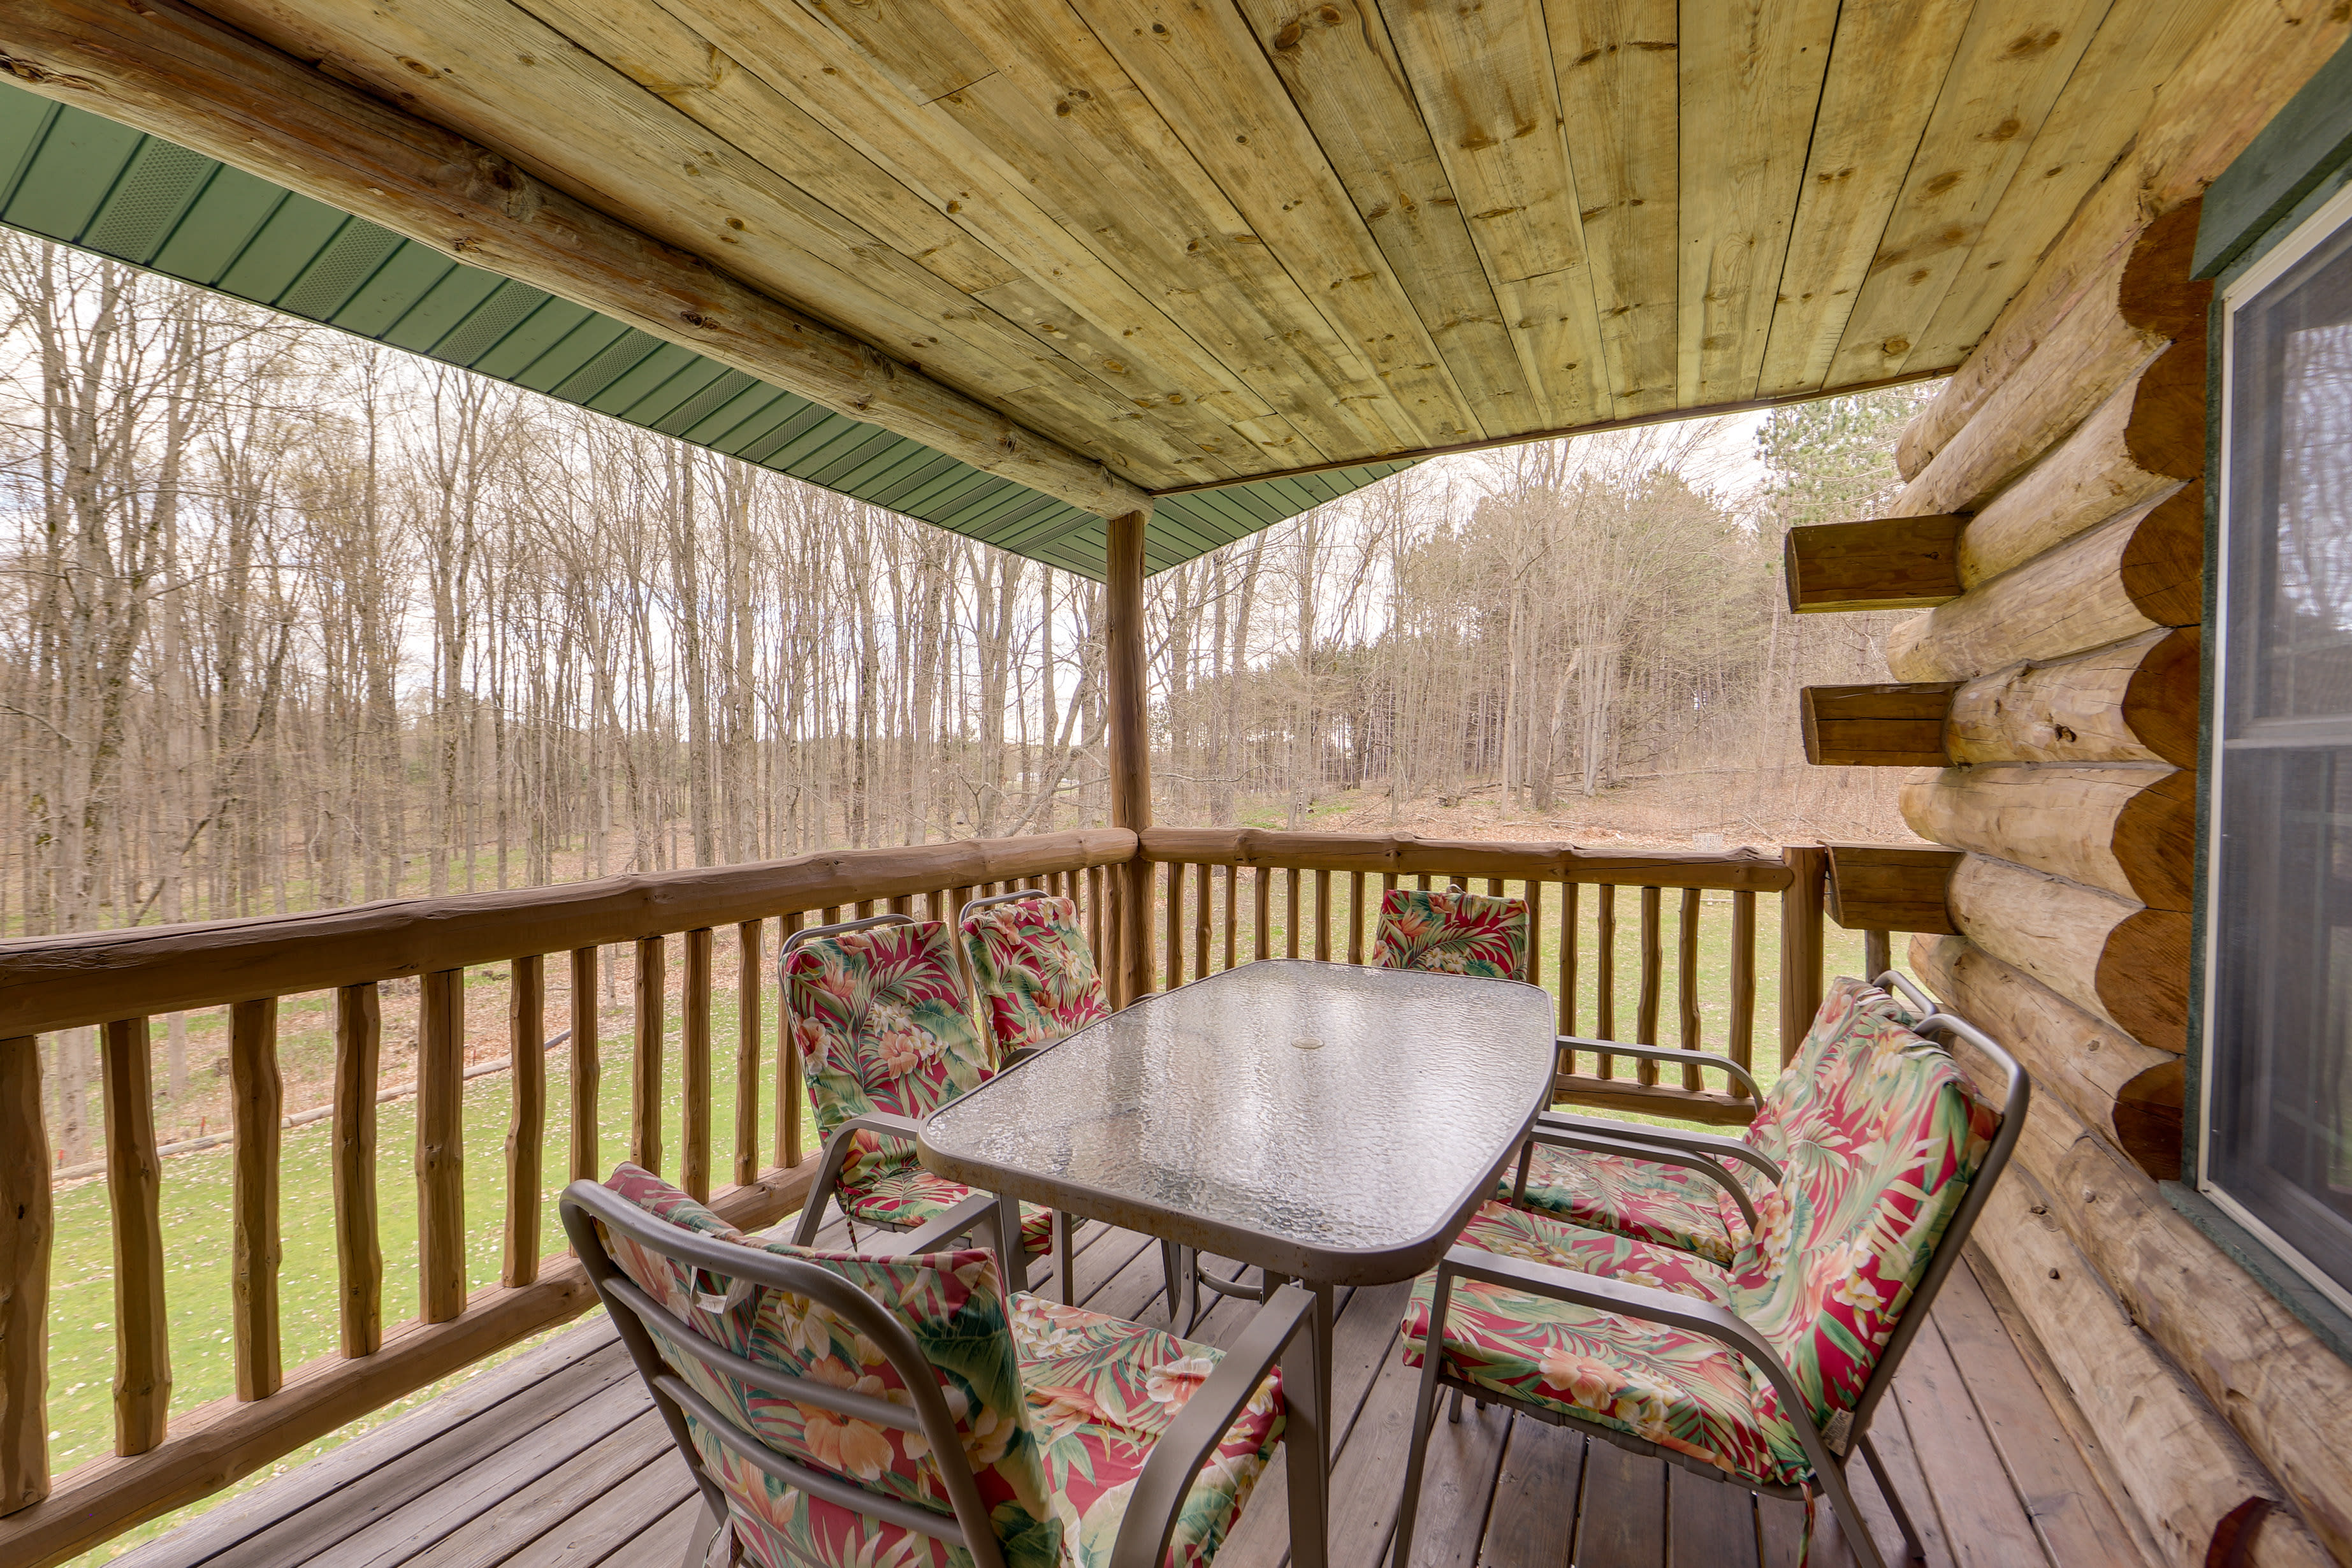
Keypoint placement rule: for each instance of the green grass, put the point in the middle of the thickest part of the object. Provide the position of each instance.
(196, 1187)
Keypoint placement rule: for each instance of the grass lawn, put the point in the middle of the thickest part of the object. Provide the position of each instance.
(196, 1187)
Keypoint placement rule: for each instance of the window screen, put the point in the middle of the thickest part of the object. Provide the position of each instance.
(2278, 1145)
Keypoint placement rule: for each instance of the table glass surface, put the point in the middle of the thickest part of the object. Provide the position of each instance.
(1328, 1105)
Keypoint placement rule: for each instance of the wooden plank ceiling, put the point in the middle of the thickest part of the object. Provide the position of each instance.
(1203, 241)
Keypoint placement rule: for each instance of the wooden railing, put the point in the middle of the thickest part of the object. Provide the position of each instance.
(118, 980)
(1219, 898)
(1219, 891)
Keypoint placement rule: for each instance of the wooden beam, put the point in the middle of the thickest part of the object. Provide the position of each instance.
(2117, 959)
(135, 1182)
(1886, 563)
(1401, 853)
(1886, 726)
(174, 72)
(1130, 744)
(216, 1444)
(359, 1250)
(1889, 887)
(58, 983)
(27, 1229)
(2130, 828)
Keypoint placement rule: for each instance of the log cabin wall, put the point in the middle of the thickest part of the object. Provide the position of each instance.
(2064, 671)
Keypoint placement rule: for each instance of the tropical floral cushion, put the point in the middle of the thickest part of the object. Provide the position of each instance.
(1881, 1149)
(1032, 971)
(1102, 1391)
(1057, 1407)
(1679, 1390)
(1678, 1206)
(910, 1197)
(1452, 931)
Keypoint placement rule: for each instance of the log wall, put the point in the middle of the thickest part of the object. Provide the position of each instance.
(2064, 676)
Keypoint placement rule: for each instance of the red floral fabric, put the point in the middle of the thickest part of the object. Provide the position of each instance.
(1058, 1408)
(880, 1019)
(1032, 971)
(1453, 931)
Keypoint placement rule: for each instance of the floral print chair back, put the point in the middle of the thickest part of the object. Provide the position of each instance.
(1032, 971)
(1453, 931)
(1696, 1192)
(885, 1037)
(850, 1409)
(1767, 1368)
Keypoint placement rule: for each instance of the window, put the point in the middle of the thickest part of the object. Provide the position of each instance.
(2278, 1146)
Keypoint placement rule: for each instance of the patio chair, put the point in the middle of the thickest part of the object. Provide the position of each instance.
(1764, 1373)
(884, 1037)
(1452, 931)
(839, 1408)
(1695, 1192)
(1032, 971)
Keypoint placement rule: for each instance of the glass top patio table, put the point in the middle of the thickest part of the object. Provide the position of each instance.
(1325, 1121)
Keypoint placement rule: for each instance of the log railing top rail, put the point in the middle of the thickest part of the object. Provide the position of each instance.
(62, 982)
(1739, 870)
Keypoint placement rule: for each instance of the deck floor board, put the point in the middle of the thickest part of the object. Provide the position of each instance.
(555, 1461)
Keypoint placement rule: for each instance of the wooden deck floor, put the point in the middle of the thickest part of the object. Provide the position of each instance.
(557, 1458)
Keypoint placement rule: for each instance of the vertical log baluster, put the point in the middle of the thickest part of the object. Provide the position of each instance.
(1743, 983)
(441, 1145)
(1262, 914)
(695, 1167)
(256, 1104)
(1878, 953)
(134, 1190)
(645, 1070)
(527, 1129)
(1293, 909)
(1355, 917)
(1604, 971)
(1495, 888)
(1645, 1026)
(1174, 935)
(747, 1048)
(1801, 944)
(864, 908)
(585, 1068)
(1323, 916)
(1423, 883)
(1203, 908)
(358, 1251)
(27, 1228)
(1532, 970)
(1232, 913)
(1687, 980)
(788, 1055)
(1568, 968)
(831, 916)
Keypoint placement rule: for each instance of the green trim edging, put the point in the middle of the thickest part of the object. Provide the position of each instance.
(78, 179)
(2306, 141)
(2323, 1317)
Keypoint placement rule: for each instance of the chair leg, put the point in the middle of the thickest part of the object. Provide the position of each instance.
(697, 1547)
(1424, 1416)
(1066, 1256)
(1848, 1517)
(1454, 1407)
(1911, 1543)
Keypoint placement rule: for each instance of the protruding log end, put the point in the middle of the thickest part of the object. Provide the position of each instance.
(1886, 563)
(1887, 726)
(1891, 887)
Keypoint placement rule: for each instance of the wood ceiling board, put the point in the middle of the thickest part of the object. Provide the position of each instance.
(2136, 50)
(1886, 68)
(836, 83)
(2011, 64)
(498, 76)
(1342, 75)
(1482, 75)
(1203, 71)
(1617, 63)
(1749, 82)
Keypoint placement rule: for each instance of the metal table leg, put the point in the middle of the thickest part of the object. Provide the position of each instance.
(1307, 1384)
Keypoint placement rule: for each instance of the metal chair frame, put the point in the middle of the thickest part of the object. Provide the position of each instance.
(1829, 1451)
(1159, 1489)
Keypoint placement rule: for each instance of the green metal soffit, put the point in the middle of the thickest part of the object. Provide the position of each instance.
(75, 177)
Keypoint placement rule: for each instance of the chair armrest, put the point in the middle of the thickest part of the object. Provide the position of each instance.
(1168, 1475)
(1654, 1153)
(1712, 1145)
(836, 1153)
(1666, 1054)
(975, 1211)
(1646, 1303)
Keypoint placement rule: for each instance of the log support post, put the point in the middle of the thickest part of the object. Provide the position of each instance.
(26, 1231)
(1801, 978)
(1130, 750)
